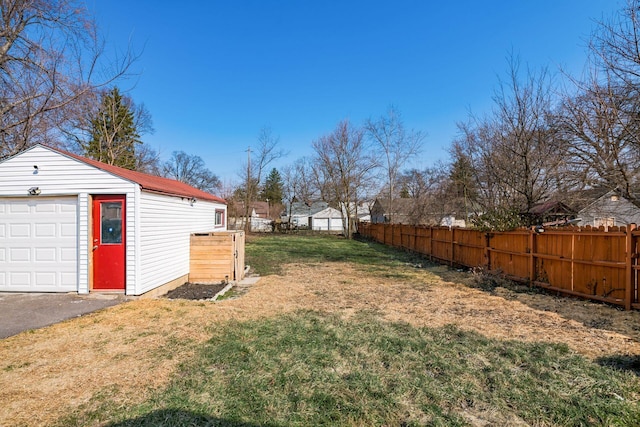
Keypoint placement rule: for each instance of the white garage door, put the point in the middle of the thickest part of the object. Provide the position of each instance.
(38, 244)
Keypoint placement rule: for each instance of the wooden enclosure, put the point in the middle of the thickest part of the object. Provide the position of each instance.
(216, 257)
(592, 263)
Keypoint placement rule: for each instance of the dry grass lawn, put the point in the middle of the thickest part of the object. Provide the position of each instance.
(130, 350)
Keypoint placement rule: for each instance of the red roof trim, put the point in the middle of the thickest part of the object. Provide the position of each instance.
(150, 183)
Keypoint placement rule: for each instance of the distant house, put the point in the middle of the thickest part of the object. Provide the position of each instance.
(609, 210)
(317, 216)
(551, 213)
(261, 215)
(329, 219)
(452, 221)
(297, 214)
(404, 211)
(361, 211)
(595, 207)
(399, 211)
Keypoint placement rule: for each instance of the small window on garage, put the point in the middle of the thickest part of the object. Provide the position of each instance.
(219, 218)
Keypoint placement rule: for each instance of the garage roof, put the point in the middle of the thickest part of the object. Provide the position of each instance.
(147, 182)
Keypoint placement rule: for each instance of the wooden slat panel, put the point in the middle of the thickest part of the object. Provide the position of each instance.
(217, 256)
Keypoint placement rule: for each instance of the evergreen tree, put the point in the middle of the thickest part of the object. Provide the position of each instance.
(114, 135)
(273, 188)
(463, 186)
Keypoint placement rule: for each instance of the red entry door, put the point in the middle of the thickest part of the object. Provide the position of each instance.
(109, 243)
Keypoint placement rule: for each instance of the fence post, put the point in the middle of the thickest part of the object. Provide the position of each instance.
(431, 243)
(628, 294)
(393, 235)
(390, 229)
(487, 252)
(415, 239)
(532, 260)
(453, 245)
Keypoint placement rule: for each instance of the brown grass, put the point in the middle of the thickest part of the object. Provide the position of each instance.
(128, 351)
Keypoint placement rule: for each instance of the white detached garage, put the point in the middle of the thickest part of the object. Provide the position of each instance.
(72, 224)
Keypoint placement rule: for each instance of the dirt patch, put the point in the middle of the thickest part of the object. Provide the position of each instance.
(196, 291)
(122, 354)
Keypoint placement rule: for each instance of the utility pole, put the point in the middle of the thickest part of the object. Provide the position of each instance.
(248, 162)
(247, 193)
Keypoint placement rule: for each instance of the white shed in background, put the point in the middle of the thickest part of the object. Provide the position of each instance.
(328, 219)
(69, 223)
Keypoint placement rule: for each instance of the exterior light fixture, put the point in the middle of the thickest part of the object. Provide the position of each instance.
(34, 191)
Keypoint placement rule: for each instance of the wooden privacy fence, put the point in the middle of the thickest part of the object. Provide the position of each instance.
(590, 263)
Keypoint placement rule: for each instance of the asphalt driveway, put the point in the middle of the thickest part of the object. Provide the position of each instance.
(20, 311)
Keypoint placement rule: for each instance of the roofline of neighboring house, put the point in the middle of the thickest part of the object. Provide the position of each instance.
(147, 182)
(594, 201)
(545, 206)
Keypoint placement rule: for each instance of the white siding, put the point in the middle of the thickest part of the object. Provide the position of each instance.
(327, 224)
(131, 236)
(166, 224)
(83, 244)
(619, 209)
(137, 275)
(300, 220)
(329, 219)
(261, 224)
(56, 175)
(59, 175)
(336, 224)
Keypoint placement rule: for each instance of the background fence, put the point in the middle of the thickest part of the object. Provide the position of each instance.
(586, 262)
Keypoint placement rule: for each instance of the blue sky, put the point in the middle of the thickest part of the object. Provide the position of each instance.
(213, 73)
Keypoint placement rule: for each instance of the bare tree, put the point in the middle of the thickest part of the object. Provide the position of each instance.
(147, 160)
(472, 147)
(343, 162)
(601, 131)
(258, 160)
(425, 189)
(397, 145)
(191, 170)
(615, 44)
(49, 59)
(524, 136)
(600, 120)
(267, 152)
(297, 183)
(514, 150)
